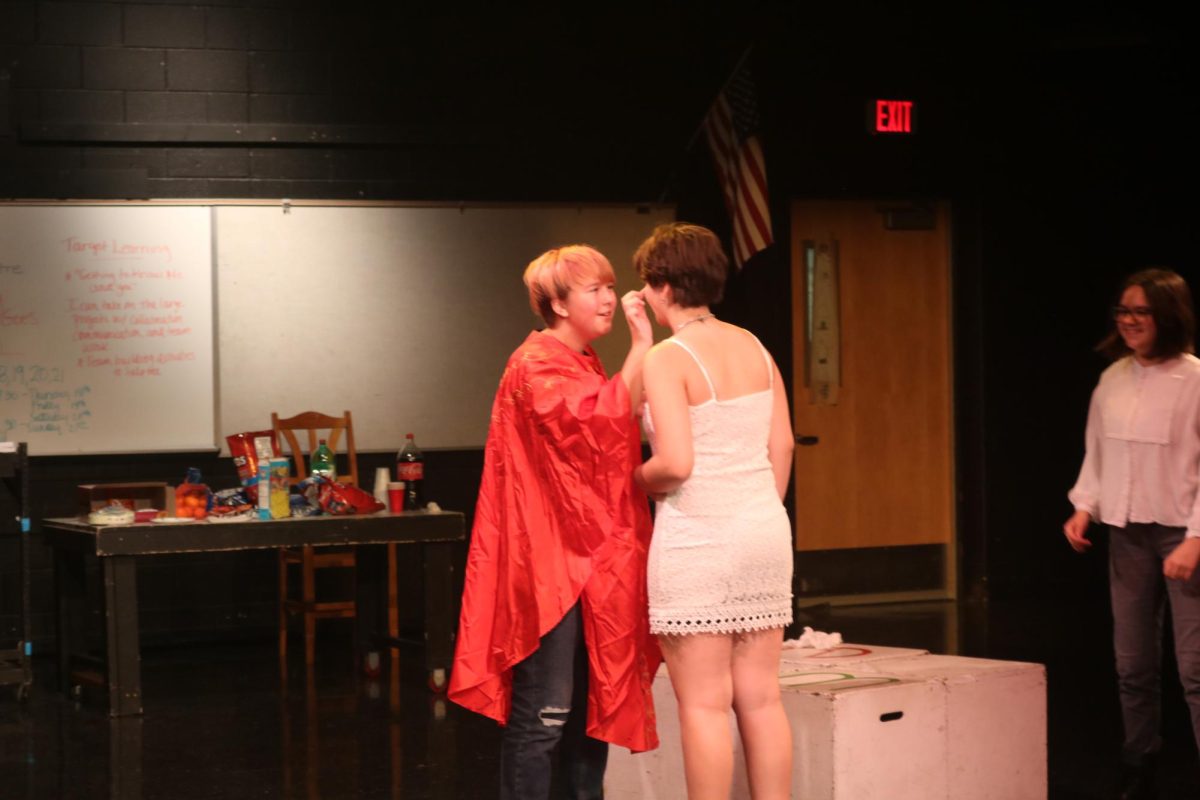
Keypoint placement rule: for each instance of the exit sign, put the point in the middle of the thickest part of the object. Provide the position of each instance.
(892, 116)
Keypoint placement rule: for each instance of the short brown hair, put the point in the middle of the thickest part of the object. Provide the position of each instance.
(1170, 303)
(689, 258)
(553, 274)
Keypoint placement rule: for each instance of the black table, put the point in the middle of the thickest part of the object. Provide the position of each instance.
(15, 666)
(118, 547)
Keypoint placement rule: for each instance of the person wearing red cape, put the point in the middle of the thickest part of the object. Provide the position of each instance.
(554, 640)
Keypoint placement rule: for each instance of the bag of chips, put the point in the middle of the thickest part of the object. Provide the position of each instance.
(342, 498)
(230, 503)
(247, 450)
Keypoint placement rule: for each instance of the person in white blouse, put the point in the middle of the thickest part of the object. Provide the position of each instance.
(1140, 475)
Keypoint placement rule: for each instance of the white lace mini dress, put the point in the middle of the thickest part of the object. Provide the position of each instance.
(721, 557)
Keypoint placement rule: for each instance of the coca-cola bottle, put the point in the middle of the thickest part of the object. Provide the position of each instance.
(410, 468)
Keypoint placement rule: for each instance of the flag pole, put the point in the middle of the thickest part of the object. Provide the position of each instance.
(691, 142)
(736, 69)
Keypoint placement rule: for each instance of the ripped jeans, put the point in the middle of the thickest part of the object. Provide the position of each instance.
(549, 709)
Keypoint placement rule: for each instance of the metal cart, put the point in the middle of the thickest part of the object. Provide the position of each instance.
(14, 481)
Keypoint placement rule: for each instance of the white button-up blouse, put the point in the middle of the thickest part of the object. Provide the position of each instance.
(1142, 458)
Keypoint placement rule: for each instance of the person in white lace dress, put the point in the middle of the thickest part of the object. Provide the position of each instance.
(719, 576)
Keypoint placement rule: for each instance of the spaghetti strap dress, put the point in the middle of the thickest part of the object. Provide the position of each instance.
(721, 556)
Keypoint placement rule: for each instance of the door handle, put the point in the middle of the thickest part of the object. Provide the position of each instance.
(806, 441)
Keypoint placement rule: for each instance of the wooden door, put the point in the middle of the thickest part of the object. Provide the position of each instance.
(878, 467)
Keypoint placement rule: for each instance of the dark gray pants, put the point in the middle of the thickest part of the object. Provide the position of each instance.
(547, 726)
(1136, 555)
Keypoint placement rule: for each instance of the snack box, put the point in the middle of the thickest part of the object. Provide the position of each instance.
(134, 496)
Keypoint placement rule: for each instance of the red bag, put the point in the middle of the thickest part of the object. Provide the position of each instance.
(342, 498)
(247, 450)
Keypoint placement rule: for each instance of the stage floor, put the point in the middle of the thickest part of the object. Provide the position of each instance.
(219, 723)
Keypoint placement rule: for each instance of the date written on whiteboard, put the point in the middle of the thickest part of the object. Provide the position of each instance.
(28, 374)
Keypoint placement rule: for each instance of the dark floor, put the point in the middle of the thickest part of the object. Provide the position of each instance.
(219, 724)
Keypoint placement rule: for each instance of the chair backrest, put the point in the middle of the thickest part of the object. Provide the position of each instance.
(317, 426)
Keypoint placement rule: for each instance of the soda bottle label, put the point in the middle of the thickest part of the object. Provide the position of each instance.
(409, 470)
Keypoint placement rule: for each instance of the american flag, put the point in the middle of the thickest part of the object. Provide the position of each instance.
(732, 130)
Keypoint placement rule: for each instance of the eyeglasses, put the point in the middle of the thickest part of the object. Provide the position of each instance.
(1138, 312)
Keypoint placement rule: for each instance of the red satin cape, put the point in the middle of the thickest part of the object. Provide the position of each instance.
(559, 521)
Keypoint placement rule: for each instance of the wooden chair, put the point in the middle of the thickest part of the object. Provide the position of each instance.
(313, 427)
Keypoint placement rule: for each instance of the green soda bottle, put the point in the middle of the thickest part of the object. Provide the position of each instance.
(322, 462)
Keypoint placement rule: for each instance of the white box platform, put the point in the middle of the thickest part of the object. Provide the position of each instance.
(873, 722)
(844, 655)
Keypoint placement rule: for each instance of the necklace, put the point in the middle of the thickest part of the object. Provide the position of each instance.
(700, 318)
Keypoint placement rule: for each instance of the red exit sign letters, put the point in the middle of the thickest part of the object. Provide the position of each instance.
(893, 116)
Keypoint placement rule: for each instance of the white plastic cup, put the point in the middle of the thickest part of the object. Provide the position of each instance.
(382, 479)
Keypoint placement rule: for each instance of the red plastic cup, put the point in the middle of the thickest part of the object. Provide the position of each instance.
(396, 496)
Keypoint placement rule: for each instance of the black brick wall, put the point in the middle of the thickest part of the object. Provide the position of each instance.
(128, 68)
(79, 23)
(331, 100)
(289, 72)
(198, 162)
(166, 107)
(269, 108)
(81, 106)
(5, 104)
(206, 71)
(17, 22)
(268, 28)
(49, 67)
(166, 25)
(291, 164)
(226, 29)
(228, 107)
(151, 161)
(100, 99)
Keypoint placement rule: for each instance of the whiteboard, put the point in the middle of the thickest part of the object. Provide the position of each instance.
(403, 315)
(106, 337)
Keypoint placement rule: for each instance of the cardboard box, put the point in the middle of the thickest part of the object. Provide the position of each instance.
(134, 496)
(995, 723)
(895, 726)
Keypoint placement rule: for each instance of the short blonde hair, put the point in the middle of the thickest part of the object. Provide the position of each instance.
(553, 274)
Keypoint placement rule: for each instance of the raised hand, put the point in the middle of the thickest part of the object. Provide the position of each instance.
(634, 307)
